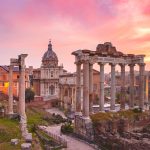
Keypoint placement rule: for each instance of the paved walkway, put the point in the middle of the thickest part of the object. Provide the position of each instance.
(72, 143)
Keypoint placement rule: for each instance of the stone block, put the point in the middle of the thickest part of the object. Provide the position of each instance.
(28, 137)
(26, 146)
(14, 141)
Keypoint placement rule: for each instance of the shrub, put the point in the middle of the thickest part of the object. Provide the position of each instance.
(29, 94)
(67, 128)
(137, 110)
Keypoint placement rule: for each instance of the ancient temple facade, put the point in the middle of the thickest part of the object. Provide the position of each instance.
(46, 78)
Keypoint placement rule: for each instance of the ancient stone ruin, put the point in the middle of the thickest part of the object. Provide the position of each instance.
(104, 54)
(23, 119)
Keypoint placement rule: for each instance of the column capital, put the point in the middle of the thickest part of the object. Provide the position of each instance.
(91, 64)
(86, 61)
(101, 63)
(78, 62)
(113, 64)
(122, 65)
(142, 64)
(131, 65)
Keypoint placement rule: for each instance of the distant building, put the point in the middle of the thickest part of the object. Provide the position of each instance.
(67, 85)
(46, 78)
(4, 79)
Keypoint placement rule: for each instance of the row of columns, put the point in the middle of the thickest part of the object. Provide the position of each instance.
(70, 94)
(21, 108)
(88, 86)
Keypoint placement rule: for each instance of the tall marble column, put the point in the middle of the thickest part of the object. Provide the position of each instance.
(60, 98)
(113, 87)
(10, 105)
(22, 87)
(91, 87)
(86, 88)
(78, 87)
(142, 71)
(101, 99)
(146, 92)
(131, 102)
(122, 86)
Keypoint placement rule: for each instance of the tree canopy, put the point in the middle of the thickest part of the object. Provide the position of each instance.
(29, 94)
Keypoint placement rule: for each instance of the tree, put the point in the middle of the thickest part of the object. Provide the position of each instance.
(29, 95)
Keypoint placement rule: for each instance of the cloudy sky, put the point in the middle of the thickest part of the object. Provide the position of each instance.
(27, 25)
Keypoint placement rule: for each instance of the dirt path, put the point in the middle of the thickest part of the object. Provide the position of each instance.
(72, 143)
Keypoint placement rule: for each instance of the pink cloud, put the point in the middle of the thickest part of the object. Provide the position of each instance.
(72, 24)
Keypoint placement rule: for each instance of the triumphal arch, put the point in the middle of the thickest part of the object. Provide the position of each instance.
(104, 54)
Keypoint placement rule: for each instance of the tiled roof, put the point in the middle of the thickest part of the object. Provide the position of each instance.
(15, 69)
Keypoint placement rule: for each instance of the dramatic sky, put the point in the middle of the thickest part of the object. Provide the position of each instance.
(27, 25)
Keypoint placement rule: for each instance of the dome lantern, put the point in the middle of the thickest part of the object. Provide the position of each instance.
(49, 58)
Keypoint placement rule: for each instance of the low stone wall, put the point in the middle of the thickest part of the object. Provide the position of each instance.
(123, 133)
(40, 104)
(84, 128)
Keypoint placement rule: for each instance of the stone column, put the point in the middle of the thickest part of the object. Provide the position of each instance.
(101, 99)
(72, 98)
(122, 86)
(60, 99)
(146, 92)
(113, 87)
(10, 102)
(78, 87)
(142, 71)
(86, 89)
(91, 87)
(131, 102)
(22, 87)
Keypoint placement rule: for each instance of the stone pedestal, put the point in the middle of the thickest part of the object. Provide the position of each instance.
(26, 146)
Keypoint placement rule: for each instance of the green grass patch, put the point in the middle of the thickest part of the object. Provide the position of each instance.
(109, 116)
(9, 129)
(34, 118)
(8, 146)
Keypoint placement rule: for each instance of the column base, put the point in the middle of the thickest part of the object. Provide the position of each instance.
(84, 128)
(78, 113)
(113, 110)
(102, 111)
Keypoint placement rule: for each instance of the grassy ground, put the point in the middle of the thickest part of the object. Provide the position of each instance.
(35, 117)
(129, 114)
(9, 129)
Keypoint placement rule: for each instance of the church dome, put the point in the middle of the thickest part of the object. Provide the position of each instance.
(49, 58)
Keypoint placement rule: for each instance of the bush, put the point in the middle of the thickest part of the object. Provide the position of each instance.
(67, 128)
(54, 119)
(29, 94)
(137, 110)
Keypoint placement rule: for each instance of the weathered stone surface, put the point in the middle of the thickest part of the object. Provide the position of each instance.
(26, 146)
(14, 141)
(84, 128)
(28, 137)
